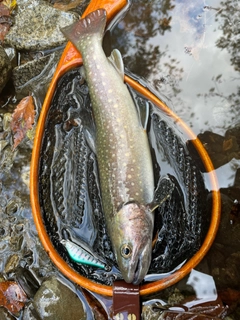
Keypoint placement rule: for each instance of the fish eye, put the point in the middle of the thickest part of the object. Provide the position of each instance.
(126, 251)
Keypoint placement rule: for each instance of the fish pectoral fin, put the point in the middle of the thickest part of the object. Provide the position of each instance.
(116, 60)
(83, 72)
(164, 191)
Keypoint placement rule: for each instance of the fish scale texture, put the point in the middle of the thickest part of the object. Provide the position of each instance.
(69, 192)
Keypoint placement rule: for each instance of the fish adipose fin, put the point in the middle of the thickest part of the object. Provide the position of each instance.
(93, 23)
(116, 60)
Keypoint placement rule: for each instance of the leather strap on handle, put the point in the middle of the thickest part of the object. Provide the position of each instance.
(126, 301)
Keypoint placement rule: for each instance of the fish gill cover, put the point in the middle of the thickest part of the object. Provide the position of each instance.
(69, 191)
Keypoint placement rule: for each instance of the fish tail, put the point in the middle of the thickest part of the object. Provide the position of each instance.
(93, 24)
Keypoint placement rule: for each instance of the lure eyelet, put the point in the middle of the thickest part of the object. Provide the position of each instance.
(126, 251)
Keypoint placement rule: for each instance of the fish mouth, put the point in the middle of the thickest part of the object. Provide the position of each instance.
(139, 266)
(137, 274)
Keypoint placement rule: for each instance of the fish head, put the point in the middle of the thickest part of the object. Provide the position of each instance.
(132, 233)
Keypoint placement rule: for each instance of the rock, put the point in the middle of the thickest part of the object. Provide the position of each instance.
(5, 315)
(29, 313)
(38, 28)
(228, 274)
(35, 76)
(228, 232)
(56, 301)
(5, 68)
(11, 263)
(27, 280)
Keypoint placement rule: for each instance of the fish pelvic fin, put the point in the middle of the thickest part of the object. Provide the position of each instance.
(93, 24)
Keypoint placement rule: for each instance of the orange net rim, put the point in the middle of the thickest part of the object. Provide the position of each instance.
(71, 59)
(148, 288)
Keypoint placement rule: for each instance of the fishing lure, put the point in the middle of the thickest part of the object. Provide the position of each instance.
(80, 255)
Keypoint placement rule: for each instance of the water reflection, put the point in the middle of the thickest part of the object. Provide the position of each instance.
(203, 285)
(183, 59)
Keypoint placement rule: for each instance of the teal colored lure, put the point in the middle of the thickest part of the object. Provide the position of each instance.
(80, 255)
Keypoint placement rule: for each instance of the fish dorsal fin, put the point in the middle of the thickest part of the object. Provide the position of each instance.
(116, 60)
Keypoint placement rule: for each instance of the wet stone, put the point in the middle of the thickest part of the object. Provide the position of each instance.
(12, 263)
(5, 315)
(38, 28)
(35, 75)
(5, 68)
(27, 281)
(30, 313)
(228, 232)
(56, 301)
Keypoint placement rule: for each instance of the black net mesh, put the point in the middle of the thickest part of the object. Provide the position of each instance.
(69, 192)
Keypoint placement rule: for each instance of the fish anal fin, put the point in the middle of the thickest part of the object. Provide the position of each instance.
(143, 111)
(116, 60)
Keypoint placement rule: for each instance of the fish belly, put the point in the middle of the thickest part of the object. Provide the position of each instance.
(123, 153)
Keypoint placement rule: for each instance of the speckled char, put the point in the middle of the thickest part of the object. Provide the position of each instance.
(123, 154)
(122, 147)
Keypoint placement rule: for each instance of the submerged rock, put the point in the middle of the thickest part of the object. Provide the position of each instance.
(38, 28)
(5, 68)
(56, 301)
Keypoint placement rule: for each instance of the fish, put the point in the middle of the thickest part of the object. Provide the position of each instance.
(122, 150)
(82, 256)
